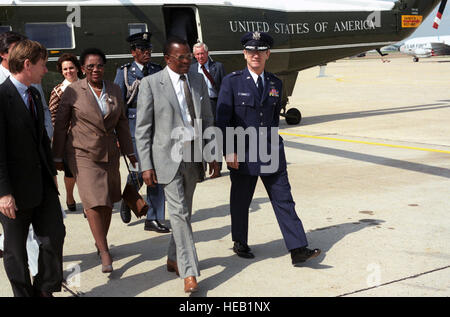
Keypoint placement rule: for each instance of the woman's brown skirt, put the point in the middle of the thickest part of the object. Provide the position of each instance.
(98, 182)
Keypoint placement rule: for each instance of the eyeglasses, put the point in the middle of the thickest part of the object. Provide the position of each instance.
(92, 66)
(182, 57)
(144, 49)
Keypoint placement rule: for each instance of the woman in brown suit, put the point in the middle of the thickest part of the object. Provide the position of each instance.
(69, 66)
(88, 124)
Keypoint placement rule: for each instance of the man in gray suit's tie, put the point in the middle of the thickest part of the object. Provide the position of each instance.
(169, 102)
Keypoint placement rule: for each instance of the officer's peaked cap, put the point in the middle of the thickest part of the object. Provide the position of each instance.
(257, 41)
(140, 39)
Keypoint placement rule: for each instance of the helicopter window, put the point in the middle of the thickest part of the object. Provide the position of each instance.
(5, 28)
(51, 35)
(134, 28)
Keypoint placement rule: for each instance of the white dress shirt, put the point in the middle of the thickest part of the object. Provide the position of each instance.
(178, 85)
(4, 73)
(255, 77)
(140, 66)
(101, 101)
(211, 91)
(65, 84)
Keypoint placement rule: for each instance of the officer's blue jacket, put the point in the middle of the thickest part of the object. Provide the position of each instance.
(133, 73)
(239, 105)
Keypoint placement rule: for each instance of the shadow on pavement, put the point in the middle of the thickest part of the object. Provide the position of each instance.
(322, 238)
(380, 160)
(156, 248)
(224, 210)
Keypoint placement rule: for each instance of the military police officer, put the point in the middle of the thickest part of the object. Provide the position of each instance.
(250, 100)
(128, 77)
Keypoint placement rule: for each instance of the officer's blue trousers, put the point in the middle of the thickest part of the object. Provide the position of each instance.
(155, 198)
(279, 191)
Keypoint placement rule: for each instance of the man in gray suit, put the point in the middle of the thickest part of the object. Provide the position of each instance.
(169, 102)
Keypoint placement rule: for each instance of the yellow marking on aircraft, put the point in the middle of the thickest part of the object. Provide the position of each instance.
(365, 142)
(411, 21)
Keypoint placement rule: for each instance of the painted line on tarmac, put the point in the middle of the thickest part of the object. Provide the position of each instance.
(66, 288)
(364, 142)
(396, 281)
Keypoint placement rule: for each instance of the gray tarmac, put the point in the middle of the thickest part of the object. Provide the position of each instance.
(369, 167)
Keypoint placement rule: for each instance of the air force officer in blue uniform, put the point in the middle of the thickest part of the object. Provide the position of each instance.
(128, 77)
(250, 100)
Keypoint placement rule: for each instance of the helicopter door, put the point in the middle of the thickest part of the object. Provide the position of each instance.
(183, 22)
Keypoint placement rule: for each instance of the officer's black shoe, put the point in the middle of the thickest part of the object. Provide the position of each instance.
(155, 225)
(125, 212)
(243, 250)
(300, 255)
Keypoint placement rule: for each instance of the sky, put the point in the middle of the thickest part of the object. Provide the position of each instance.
(426, 29)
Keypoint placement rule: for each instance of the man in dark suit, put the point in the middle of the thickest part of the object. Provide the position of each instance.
(28, 193)
(250, 99)
(212, 71)
(7, 42)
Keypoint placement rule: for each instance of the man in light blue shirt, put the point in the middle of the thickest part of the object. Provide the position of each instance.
(7, 41)
(28, 191)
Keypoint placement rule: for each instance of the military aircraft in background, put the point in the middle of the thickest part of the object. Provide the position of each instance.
(423, 47)
(306, 32)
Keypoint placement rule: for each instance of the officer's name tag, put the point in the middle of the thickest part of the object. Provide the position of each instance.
(244, 94)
